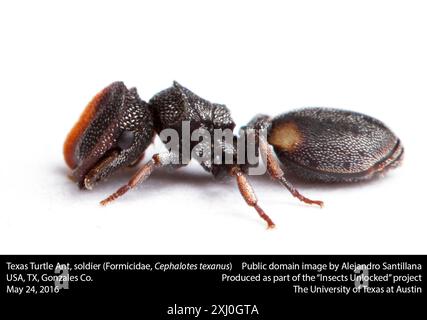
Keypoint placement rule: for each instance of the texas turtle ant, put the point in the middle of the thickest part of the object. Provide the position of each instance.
(322, 144)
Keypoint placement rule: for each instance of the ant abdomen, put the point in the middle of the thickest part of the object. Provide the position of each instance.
(333, 145)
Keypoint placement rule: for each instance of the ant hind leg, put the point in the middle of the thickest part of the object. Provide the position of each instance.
(277, 173)
(258, 126)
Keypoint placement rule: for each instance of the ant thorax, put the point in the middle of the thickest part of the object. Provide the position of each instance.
(193, 128)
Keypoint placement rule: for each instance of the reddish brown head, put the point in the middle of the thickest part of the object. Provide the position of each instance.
(113, 131)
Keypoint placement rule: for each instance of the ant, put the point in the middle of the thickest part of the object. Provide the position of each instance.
(321, 144)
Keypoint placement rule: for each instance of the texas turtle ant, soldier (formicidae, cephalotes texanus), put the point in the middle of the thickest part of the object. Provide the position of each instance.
(323, 144)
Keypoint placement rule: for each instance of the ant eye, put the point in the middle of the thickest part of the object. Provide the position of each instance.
(126, 139)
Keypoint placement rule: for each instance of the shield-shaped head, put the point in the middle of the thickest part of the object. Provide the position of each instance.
(113, 131)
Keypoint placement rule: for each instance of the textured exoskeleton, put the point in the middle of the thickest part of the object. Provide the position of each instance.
(333, 145)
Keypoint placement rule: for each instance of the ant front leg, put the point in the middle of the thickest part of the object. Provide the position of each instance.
(158, 160)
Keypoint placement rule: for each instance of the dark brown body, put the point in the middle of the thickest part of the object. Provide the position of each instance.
(333, 145)
(329, 145)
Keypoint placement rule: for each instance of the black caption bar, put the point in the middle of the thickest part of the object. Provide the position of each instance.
(198, 286)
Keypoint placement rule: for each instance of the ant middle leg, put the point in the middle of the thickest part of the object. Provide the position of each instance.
(248, 194)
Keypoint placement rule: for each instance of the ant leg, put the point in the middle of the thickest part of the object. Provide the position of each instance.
(140, 176)
(277, 173)
(248, 194)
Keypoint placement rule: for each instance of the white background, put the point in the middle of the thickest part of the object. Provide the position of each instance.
(254, 56)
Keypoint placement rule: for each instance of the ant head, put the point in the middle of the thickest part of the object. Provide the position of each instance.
(113, 131)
